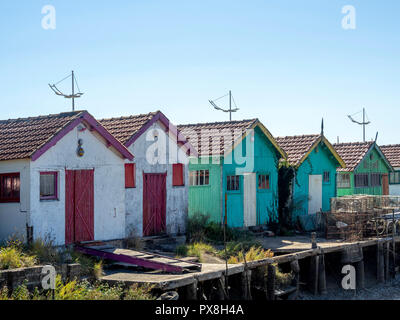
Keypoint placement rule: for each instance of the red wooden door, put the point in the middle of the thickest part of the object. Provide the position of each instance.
(154, 203)
(79, 205)
(385, 184)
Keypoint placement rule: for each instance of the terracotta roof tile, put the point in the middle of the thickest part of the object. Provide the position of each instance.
(352, 153)
(20, 138)
(392, 153)
(123, 128)
(297, 146)
(217, 137)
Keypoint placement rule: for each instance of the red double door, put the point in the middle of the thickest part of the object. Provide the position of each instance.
(154, 203)
(79, 206)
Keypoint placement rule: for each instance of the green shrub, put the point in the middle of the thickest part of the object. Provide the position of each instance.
(12, 257)
(201, 229)
(137, 292)
(254, 253)
(195, 250)
(45, 251)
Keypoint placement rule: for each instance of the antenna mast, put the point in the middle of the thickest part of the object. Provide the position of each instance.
(73, 95)
(230, 110)
(363, 123)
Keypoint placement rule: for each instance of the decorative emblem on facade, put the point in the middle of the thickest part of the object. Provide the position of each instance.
(80, 152)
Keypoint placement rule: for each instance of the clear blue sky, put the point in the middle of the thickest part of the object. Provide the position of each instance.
(289, 63)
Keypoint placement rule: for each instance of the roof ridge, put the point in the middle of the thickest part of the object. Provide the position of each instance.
(300, 136)
(44, 116)
(353, 143)
(130, 116)
(217, 122)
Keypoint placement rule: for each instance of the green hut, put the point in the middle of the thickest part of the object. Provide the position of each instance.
(313, 162)
(237, 161)
(366, 171)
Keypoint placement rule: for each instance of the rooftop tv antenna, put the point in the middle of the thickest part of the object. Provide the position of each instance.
(73, 95)
(230, 110)
(363, 123)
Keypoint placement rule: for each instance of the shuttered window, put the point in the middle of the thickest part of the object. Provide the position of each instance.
(9, 187)
(130, 175)
(361, 180)
(233, 183)
(327, 177)
(48, 185)
(375, 179)
(343, 180)
(199, 178)
(177, 175)
(263, 181)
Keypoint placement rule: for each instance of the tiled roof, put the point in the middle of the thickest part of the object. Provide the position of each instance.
(20, 138)
(123, 128)
(215, 135)
(296, 147)
(392, 153)
(352, 153)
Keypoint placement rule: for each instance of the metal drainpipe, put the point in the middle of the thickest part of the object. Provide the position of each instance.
(222, 191)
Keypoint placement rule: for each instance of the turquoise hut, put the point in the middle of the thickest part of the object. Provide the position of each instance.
(314, 162)
(237, 161)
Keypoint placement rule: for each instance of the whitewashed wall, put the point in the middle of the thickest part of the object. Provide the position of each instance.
(14, 216)
(48, 216)
(177, 197)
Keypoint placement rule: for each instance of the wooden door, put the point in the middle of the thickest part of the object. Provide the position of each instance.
(79, 206)
(154, 203)
(249, 199)
(314, 193)
(385, 184)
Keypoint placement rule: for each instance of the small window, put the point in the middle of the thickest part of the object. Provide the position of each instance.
(130, 175)
(199, 178)
(9, 187)
(394, 177)
(263, 181)
(361, 180)
(343, 180)
(327, 177)
(375, 179)
(232, 183)
(48, 185)
(178, 175)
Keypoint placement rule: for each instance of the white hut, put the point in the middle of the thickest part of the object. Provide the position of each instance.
(61, 178)
(157, 179)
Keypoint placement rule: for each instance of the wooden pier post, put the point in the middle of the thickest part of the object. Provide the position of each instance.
(246, 284)
(191, 291)
(380, 263)
(221, 294)
(296, 270)
(360, 275)
(271, 282)
(322, 275)
(387, 261)
(314, 274)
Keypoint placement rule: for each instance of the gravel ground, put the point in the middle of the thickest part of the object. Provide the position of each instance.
(385, 291)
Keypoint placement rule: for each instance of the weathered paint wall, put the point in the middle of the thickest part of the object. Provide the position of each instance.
(319, 160)
(206, 199)
(177, 197)
(13, 216)
(211, 199)
(394, 189)
(376, 165)
(262, 160)
(48, 216)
